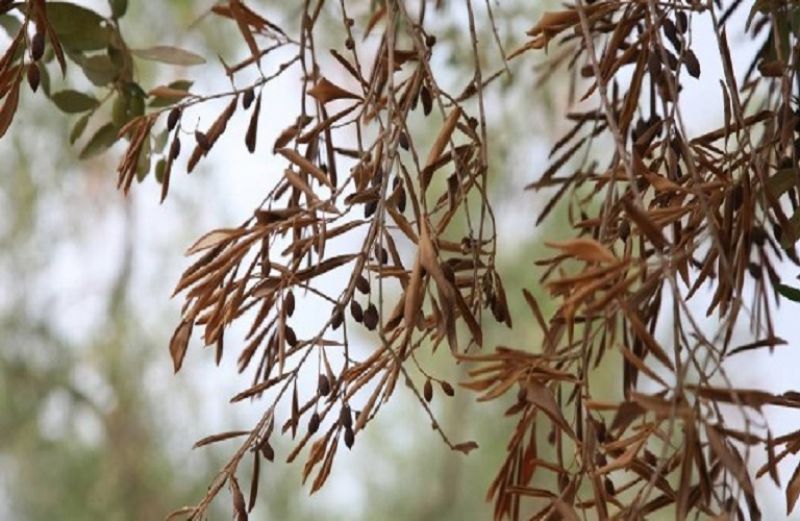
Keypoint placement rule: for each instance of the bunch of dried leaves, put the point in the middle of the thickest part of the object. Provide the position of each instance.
(667, 214)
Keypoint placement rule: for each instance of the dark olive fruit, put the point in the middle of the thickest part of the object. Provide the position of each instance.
(37, 46)
(289, 303)
(338, 318)
(427, 390)
(324, 385)
(371, 317)
(175, 148)
(346, 416)
(267, 451)
(356, 311)
(172, 119)
(313, 423)
(362, 284)
(290, 336)
(248, 98)
(447, 388)
(34, 76)
(624, 230)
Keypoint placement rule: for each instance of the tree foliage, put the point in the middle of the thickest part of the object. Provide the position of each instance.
(662, 215)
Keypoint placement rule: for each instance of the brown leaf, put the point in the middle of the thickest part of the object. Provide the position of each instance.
(179, 343)
(644, 335)
(413, 295)
(439, 145)
(379, 13)
(305, 165)
(566, 511)
(793, 490)
(238, 12)
(251, 502)
(206, 140)
(539, 395)
(219, 437)
(730, 460)
(585, 249)
(10, 106)
(645, 223)
(215, 238)
(239, 506)
(325, 91)
(466, 447)
(325, 471)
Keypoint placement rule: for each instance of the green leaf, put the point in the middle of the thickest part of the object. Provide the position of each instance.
(118, 8)
(78, 28)
(795, 20)
(789, 292)
(78, 129)
(99, 69)
(100, 141)
(143, 163)
(160, 141)
(171, 55)
(161, 167)
(72, 101)
(45, 79)
(133, 89)
(10, 24)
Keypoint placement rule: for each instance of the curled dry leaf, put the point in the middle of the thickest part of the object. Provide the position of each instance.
(179, 343)
(588, 250)
(214, 238)
(324, 91)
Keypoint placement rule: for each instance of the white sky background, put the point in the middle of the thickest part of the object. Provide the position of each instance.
(233, 182)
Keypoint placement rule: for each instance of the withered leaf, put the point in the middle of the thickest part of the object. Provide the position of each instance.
(325, 471)
(465, 447)
(539, 395)
(214, 438)
(179, 343)
(729, 459)
(793, 490)
(9, 107)
(215, 238)
(240, 13)
(239, 506)
(585, 249)
(305, 165)
(645, 223)
(251, 502)
(324, 91)
(442, 139)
